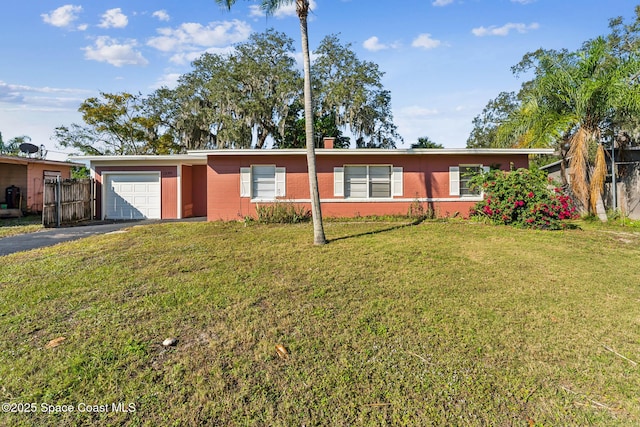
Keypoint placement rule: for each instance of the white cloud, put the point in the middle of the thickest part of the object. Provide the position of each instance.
(426, 42)
(10, 93)
(287, 10)
(117, 54)
(30, 97)
(373, 44)
(417, 112)
(188, 57)
(114, 18)
(256, 11)
(504, 30)
(169, 80)
(162, 15)
(442, 2)
(64, 16)
(523, 1)
(190, 40)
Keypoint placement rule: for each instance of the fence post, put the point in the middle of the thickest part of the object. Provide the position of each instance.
(44, 202)
(92, 197)
(58, 200)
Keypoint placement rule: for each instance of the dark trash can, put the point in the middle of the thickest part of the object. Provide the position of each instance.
(12, 197)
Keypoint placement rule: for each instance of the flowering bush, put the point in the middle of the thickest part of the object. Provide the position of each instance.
(523, 198)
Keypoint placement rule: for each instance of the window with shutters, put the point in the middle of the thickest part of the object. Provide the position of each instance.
(459, 178)
(262, 182)
(367, 181)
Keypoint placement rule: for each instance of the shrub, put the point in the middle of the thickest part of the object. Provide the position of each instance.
(522, 198)
(419, 212)
(282, 213)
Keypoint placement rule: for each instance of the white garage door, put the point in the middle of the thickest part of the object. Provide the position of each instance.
(132, 196)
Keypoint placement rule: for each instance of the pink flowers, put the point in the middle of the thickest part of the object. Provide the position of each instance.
(523, 198)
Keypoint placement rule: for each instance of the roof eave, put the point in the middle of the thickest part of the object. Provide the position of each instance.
(375, 151)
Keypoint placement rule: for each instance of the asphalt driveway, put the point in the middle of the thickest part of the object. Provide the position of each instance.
(52, 236)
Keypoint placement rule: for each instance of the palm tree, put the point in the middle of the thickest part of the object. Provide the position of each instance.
(576, 97)
(302, 10)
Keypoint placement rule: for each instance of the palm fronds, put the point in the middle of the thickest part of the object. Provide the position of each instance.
(578, 164)
(598, 177)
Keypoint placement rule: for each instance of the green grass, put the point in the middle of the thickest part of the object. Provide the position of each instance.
(441, 323)
(14, 226)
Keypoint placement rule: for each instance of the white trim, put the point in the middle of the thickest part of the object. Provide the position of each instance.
(383, 200)
(397, 188)
(245, 182)
(338, 181)
(178, 190)
(105, 174)
(166, 159)
(369, 151)
(454, 180)
(281, 182)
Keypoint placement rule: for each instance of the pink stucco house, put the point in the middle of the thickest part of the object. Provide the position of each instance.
(27, 175)
(229, 184)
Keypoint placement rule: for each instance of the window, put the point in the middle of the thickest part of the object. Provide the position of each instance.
(262, 182)
(459, 177)
(367, 181)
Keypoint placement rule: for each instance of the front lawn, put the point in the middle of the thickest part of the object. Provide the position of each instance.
(441, 323)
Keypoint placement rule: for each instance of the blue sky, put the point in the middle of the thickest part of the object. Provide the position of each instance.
(442, 59)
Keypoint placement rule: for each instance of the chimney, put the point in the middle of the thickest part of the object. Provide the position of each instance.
(328, 141)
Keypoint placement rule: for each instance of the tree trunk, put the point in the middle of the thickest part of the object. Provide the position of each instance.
(316, 212)
(600, 209)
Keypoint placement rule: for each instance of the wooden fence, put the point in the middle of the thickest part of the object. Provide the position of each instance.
(67, 201)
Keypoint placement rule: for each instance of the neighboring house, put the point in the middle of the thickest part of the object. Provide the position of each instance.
(27, 176)
(229, 184)
(627, 179)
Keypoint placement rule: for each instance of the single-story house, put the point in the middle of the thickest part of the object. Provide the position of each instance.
(627, 179)
(229, 184)
(24, 177)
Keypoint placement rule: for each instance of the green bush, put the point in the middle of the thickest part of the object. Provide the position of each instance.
(282, 213)
(522, 198)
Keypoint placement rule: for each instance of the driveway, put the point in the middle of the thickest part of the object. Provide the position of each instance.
(52, 236)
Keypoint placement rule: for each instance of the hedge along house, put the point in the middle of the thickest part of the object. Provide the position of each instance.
(230, 184)
(158, 187)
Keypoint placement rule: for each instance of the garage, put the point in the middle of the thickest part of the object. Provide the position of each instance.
(132, 195)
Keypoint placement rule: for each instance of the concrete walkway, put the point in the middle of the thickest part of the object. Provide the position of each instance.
(52, 236)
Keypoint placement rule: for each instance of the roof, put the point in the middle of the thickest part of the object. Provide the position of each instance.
(200, 156)
(16, 160)
(377, 151)
(169, 159)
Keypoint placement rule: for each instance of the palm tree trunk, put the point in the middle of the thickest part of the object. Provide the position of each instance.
(302, 7)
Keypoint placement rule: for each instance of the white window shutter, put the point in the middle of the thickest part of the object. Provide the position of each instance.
(245, 182)
(396, 179)
(338, 182)
(454, 181)
(281, 184)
